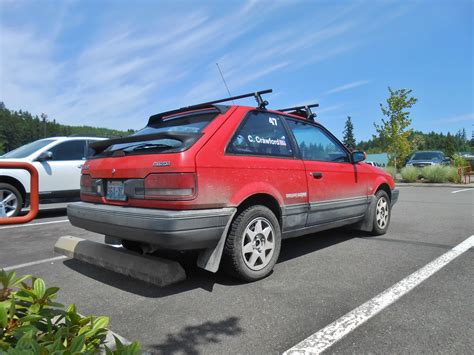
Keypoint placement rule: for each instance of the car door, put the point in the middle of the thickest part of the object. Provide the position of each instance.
(60, 175)
(336, 189)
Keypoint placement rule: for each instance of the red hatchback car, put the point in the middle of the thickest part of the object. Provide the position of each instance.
(230, 181)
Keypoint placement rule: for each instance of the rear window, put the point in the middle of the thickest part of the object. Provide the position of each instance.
(188, 123)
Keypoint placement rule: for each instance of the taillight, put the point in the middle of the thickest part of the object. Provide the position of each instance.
(173, 186)
(90, 186)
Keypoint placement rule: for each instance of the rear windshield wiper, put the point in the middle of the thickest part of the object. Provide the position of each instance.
(185, 137)
(153, 146)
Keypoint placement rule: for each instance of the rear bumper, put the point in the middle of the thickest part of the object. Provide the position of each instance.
(167, 229)
(395, 194)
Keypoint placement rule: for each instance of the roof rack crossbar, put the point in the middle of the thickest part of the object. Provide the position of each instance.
(304, 109)
(258, 97)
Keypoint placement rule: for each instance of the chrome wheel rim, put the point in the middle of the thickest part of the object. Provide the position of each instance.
(258, 244)
(8, 202)
(382, 212)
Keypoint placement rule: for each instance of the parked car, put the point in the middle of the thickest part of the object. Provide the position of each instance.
(421, 159)
(374, 163)
(230, 181)
(58, 161)
(466, 155)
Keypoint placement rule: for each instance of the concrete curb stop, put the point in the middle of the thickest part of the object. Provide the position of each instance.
(154, 270)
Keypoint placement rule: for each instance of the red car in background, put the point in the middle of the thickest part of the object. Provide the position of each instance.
(230, 181)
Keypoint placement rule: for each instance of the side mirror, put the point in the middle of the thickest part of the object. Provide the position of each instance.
(45, 156)
(358, 156)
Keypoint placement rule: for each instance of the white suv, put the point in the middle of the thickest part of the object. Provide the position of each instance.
(58, 161)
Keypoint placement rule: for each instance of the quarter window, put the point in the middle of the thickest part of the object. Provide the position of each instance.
(261, 134)
(315, 144)
(72, 150)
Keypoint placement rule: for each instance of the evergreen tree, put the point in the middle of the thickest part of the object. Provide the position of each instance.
(20, 127)
(349, 139)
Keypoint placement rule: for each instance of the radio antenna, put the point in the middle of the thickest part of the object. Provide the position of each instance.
(222, 76)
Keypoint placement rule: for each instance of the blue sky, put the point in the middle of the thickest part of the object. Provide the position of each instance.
(114, 63)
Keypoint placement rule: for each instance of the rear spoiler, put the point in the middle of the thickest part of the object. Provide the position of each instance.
(184, 137)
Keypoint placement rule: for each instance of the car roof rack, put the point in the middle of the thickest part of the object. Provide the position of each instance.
(262, 104)
(301, 111)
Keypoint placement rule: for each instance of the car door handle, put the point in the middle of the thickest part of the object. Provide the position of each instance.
(317, 175)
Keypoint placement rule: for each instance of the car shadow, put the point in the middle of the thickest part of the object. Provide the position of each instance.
(188, 339)
(201, 279)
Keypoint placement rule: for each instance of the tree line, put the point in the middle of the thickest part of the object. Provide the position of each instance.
(20, 127)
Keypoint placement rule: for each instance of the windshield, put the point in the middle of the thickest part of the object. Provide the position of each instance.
(427, 156)
(27, 149)
(189, 123)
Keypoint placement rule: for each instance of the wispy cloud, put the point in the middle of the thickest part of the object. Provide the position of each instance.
(121, 71)
(347, 86)
(459, 118)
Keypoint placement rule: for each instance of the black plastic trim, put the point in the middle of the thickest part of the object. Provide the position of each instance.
(167, 229)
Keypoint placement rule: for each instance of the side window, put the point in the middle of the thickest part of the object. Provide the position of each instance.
(261, 133)
(71, 150)
(89, 151)
(315, 144)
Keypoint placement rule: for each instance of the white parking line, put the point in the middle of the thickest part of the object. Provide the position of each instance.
(15, 267)
(455, 192)
(33, 224)
(328, 336)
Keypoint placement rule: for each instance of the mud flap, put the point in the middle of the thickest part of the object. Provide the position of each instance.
(367, 224)
(209, 259)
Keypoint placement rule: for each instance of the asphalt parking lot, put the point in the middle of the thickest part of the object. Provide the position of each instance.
(318, 279)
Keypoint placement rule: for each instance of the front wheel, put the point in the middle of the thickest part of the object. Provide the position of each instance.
(253, 244)
(382, 213)
(11, 200)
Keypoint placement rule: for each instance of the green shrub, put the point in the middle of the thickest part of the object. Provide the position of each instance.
(391, 170)
(459, 161)
(32, 323)
(452, 174)
(436, 173)
(410, 173)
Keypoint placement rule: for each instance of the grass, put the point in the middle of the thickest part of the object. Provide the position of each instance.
(391, 170)
(433, 174)
(436, 173)
(410, 173)
(452, 175)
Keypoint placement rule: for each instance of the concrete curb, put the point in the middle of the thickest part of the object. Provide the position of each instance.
(427, 184)
(154, 270)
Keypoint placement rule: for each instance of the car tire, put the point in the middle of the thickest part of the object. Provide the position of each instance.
(13, 198)
(253, 244)
(382, 213)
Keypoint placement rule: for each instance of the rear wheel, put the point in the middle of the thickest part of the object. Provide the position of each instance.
(382, 213)
(11, 200)
(253, 244)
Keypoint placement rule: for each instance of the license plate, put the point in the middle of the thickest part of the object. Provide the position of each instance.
(116, 191)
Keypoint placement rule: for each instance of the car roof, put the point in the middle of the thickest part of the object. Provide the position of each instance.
(73, 138)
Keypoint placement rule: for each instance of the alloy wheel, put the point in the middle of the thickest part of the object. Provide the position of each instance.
(382, 212)
(9, 201)
(258, 244)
